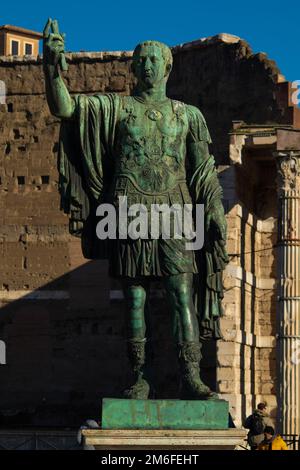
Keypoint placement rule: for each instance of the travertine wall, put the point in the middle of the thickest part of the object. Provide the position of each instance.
(246, 372)
(60, 316)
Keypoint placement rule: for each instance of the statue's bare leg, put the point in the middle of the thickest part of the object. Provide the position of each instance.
(186, 334)
(136, 293)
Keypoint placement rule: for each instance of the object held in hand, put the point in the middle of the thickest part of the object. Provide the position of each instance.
(52, 37)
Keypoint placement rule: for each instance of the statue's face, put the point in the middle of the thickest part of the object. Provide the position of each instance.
(150, 66)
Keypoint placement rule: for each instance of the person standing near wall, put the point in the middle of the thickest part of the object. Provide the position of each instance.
(256, 423)
(272, 441)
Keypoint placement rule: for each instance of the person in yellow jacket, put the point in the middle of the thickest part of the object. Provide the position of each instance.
(272, 441)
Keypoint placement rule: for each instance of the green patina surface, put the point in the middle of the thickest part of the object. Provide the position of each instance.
(164, 414)
(155, 151)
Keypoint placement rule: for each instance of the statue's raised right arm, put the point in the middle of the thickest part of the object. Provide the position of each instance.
(58, 97)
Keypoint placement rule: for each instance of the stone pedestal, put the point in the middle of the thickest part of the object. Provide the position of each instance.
(164, 424)
(164, 414)
(158, 439)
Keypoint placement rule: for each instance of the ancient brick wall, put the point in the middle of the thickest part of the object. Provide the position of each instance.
(60, 316)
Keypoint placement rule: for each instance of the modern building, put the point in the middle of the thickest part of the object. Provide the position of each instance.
(18, 41)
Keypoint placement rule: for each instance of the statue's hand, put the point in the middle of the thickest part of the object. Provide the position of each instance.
(216, 223)
(54, 45)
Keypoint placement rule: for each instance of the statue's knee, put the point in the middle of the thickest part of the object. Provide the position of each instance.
(181, 296)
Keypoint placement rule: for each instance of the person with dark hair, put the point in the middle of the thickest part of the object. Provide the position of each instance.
(272, 441)
(262, 406)
(256, 424)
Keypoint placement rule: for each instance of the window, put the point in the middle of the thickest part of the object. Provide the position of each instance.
(15, 47)
(28, 48)
(21, 180)
(45, 179)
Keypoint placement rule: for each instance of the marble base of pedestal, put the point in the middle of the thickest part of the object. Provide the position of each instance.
(158, 439)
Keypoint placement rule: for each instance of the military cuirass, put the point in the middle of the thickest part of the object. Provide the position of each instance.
(151, 144)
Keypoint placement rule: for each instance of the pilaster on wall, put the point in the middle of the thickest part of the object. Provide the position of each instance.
(288, 326)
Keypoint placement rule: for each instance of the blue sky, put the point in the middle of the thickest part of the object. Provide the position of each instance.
(90, 25)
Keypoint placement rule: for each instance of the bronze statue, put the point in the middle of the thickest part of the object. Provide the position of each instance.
(154, 150)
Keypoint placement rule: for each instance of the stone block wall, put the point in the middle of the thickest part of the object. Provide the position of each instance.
(246, 358)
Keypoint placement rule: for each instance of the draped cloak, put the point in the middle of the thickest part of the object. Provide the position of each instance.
(86, 171)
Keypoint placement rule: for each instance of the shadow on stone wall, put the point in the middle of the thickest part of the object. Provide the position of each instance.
(66, 350)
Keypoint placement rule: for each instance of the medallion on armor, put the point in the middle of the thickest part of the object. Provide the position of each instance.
(151, 144)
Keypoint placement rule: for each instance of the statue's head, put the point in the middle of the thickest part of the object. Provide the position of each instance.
(152, 63)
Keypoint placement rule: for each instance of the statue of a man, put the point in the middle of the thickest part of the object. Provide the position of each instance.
(154, 150)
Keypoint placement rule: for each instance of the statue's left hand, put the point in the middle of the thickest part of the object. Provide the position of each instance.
(216, 222)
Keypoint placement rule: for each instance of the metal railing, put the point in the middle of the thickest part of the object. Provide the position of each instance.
(292, 440)
(38, 440)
